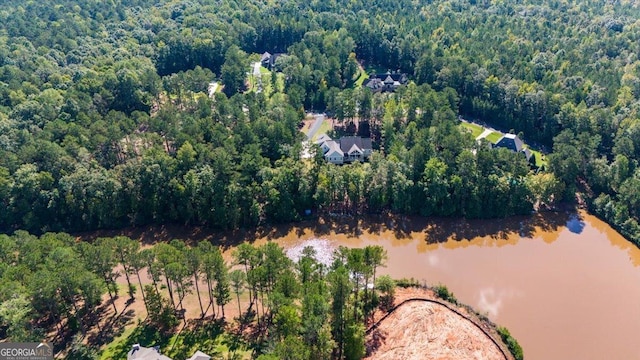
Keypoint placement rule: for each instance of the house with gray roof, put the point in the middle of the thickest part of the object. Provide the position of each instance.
(268, 60)
(387, 82)
(513, 143)
(346, 149)
(138, 352)
(199, 355)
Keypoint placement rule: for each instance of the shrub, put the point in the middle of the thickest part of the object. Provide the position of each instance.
(443, 293)
(407, 283)
(514, 348)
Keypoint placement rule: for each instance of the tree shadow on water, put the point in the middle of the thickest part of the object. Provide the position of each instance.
(543, 224)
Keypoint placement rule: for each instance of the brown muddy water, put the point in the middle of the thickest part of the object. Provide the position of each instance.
(567, 286)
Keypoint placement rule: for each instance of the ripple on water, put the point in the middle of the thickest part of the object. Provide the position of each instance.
(324, 250)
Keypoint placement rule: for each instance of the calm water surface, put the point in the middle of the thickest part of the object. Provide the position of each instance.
(567, 286)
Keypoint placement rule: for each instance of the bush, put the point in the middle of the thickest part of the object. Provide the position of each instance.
(443, 293)
(514, 348)
(407, 283)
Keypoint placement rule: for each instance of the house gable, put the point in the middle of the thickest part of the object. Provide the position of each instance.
(388, 81)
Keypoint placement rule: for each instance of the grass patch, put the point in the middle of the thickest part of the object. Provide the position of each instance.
(265, 77)
(361, 78)
(475, 129)
(323, 129)
(540, 158)
(494, 137)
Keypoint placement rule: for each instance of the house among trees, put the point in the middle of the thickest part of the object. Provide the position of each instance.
(388, 82)
(143, 353)
(513, 143)
(346, 149)
(138, 352)
(199, 355)
(269, 60)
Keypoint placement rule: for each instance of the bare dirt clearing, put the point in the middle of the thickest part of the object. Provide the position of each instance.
(423, 330)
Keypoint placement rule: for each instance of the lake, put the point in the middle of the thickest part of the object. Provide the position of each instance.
(566, 285)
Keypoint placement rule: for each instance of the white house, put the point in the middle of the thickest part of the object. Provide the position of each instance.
(346, 149)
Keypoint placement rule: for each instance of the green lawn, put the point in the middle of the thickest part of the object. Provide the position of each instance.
(540, 159)
(267, 87)
(324, 128)
(473, 128)
(494, 137)
(361, 78)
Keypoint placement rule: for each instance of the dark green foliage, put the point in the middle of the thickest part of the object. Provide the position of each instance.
(80, 351)
(443, 293)
(512, 343)
(92, 141)
(161, 314)
(387, 287)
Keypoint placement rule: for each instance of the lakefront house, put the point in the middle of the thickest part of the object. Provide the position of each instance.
(346, 149)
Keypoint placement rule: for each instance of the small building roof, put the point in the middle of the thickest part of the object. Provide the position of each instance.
(144, 353)
(322, 138)
(199, 355)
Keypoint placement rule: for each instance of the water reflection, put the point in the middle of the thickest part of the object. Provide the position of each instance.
(575, 224)
(490, 300)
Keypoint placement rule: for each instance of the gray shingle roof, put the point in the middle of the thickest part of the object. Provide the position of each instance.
(347, 142)
(144, 353)
(199, 355)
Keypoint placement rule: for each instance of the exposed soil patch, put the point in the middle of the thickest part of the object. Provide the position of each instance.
(423, 330)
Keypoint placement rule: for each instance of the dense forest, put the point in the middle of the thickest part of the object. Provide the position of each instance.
(106, 122)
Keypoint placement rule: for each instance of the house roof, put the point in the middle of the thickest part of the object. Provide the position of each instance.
(322, 138)
(199, 355)
(333, 147)
(353, 149)
(511, 142)
(394, 76)
(265, 56)
(347, 142)
(143, 353)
